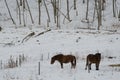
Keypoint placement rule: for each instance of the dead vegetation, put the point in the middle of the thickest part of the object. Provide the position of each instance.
(13, 62)
(114, 65)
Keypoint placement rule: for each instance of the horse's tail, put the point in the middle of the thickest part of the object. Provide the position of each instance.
(74, 61)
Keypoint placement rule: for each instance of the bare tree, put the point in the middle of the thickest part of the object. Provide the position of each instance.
(94, 11)
(9, 12)
(119, 15)
(54, 9)
(68, 15)
(74, 4)
(58, 15)
(39, 2)
(103, 4)
(29, 11)
(114, 11)
(23, 13)
(100, 14)
(20, 2)
(19, 11)
(47, 10)
(87, 9)
(98, 5)
(113, 8)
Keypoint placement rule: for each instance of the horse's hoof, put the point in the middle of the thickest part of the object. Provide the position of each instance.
(97, 69)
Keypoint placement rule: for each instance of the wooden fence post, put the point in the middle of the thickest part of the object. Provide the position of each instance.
(1, 64)
(20, 61)
(38, 68)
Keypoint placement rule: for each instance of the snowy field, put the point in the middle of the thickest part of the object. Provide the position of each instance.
(41, 48)
(70, 39)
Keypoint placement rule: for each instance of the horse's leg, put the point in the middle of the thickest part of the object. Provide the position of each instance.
(87, 64)
(61, 65)
(86, 67)
(90, 66)
(97, 66)
(72, 64)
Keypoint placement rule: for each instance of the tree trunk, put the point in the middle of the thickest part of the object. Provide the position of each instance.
(87, 9)
(74, 4)
(47, 10)
(114, 13)
(119, 15)
(9, 12)
(54, 9)
(19, 11)
(39, 2)
(20, 2)
(58, 15)
(29, 12)
(68, 15)
(24, 23)
(100, 14)
(94, 12)
(103, 4)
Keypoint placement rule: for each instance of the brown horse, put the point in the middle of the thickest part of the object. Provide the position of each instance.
(93, 58)
(64, 59)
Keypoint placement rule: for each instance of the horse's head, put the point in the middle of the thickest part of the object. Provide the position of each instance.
(98, 55)
(52, 60)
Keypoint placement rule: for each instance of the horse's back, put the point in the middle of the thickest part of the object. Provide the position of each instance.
(94, 58)
(68, 58)
(59, 56)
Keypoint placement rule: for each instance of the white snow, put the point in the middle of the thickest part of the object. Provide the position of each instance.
(70, 39)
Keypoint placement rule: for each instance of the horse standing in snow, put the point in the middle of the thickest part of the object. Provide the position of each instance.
(93, 58)
(64, 59)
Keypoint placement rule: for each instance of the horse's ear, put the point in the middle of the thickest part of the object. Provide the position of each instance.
(99, 54)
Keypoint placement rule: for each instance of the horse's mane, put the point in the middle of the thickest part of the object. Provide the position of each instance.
(98, 55)
(57, 56)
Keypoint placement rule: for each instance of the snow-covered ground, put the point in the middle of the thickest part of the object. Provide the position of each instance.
(70, 39)
(77, 42)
